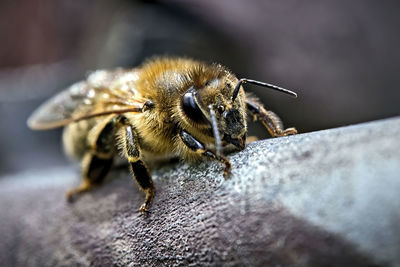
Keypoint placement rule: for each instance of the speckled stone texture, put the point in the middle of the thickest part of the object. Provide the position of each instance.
(327, 198)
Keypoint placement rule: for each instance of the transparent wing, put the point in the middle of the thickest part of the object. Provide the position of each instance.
(103, 93)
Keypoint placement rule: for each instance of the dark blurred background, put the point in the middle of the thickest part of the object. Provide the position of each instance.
(342, 57)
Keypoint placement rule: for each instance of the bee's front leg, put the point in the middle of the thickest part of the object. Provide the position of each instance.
(269, 119)
(198, 147)
(142, 175)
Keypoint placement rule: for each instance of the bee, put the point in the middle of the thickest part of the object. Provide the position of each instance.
(165, 107)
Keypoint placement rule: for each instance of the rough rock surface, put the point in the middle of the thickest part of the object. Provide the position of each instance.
(327, 198)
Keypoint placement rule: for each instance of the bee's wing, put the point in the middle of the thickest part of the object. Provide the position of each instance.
(83, 101)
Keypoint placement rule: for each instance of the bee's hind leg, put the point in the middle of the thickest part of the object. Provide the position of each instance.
(94, 170)
(97, 162)
(269, 119)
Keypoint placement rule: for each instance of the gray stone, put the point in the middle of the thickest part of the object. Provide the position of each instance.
(327, 198)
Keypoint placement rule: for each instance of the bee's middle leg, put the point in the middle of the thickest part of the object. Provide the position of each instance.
(139, 169)
(97, 162)
(198, 147)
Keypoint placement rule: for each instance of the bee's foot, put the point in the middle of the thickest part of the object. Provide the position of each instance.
(70, 196)
(227, 174)
(144, 209)
(227, 171)
(290, 131)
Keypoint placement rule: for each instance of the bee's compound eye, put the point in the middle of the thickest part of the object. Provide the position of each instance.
(191, 109)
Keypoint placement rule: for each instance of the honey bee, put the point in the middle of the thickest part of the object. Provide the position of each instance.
(167, 106)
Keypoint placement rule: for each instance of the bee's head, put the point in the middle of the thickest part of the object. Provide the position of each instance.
(212, 105)
(217, 101)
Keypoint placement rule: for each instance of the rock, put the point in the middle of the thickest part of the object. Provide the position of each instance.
(327, 198)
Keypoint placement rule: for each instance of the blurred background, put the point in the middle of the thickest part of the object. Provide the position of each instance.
(341, 57)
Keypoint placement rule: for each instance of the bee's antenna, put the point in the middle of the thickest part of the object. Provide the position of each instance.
(268, 85)
(215, 131)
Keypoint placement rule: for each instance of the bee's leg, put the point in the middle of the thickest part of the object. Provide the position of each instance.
(139, 169)
(269, 119)
(198, 147)
(94, 170)
(97, 162)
